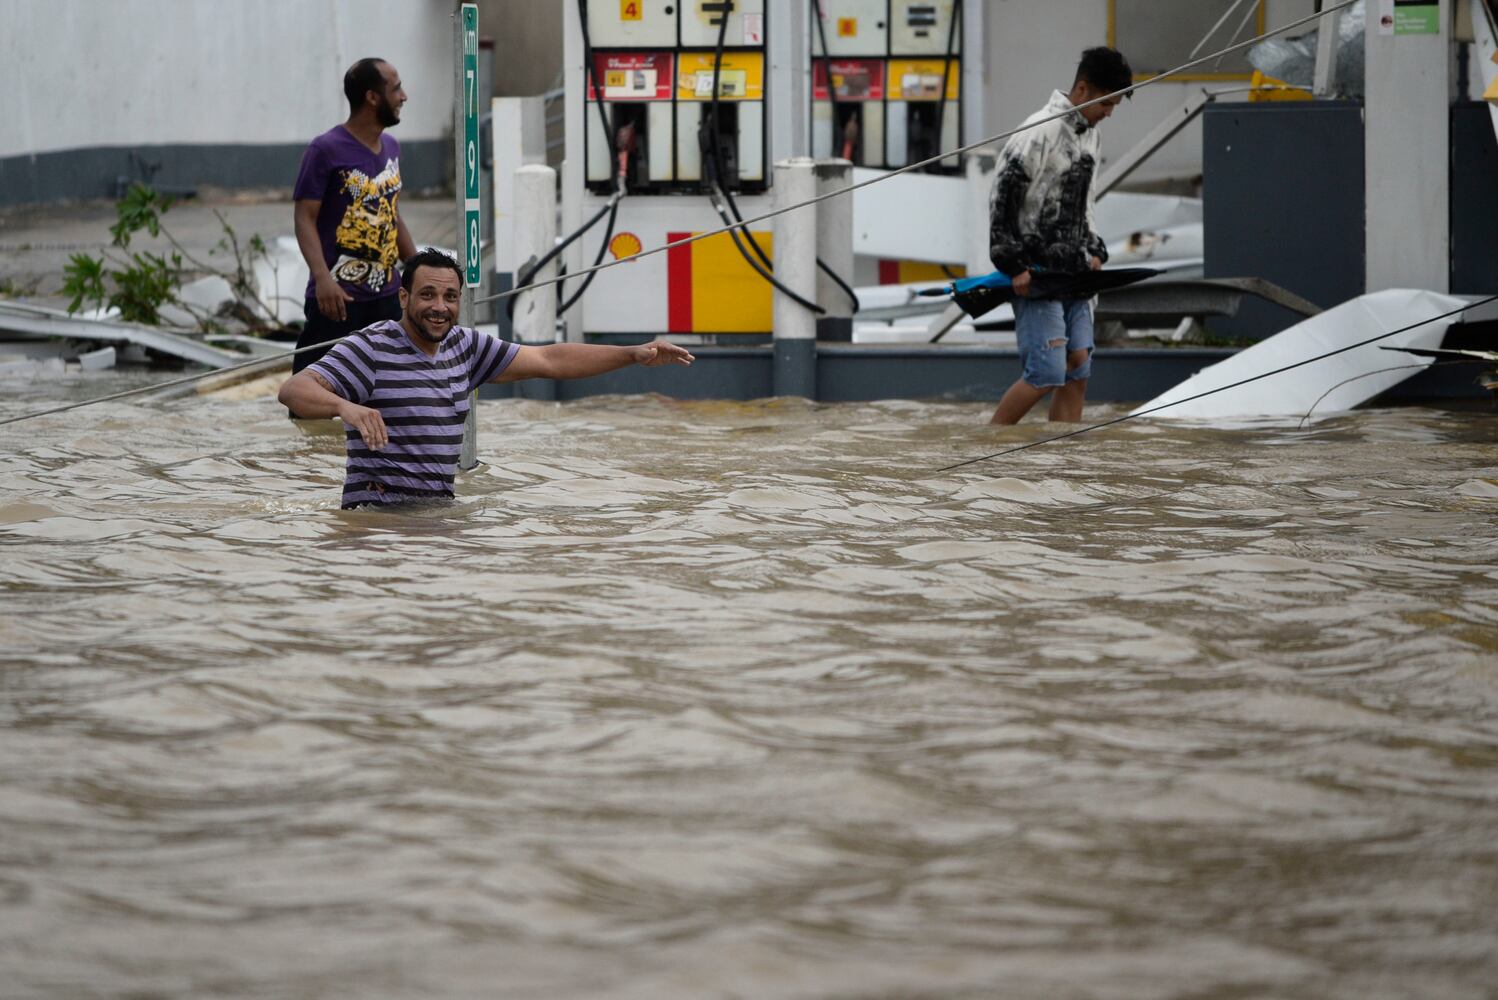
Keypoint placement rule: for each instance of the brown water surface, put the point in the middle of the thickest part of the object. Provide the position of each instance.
(744, 700)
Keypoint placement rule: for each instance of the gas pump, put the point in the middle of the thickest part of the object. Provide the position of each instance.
(896, 94)
(667, 103)
(849, 44)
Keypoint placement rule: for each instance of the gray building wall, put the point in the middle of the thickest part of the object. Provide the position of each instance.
(200, 92)
(527, 38)
(227, 94)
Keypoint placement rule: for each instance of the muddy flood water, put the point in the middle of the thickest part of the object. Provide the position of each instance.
(742, 700)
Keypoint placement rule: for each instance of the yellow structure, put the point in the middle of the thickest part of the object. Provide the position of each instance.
(1267, 88)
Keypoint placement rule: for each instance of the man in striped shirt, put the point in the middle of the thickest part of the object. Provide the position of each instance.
(402, 388)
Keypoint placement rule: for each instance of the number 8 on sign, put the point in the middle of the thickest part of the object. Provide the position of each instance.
(474, 270)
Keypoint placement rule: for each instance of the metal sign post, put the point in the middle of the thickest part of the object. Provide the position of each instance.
(466, 162)
(469, 167)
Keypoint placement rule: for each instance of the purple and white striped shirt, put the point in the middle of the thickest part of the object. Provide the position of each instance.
(423, 401)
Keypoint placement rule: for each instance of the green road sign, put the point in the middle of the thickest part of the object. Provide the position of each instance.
(470, 165)
(1417, 17)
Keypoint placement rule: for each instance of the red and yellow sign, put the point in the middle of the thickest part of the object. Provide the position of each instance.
(632, 76)
(855, 79)
(847, 27)
(920, 79)
(742, 77)
(629, 10)
(711, 289)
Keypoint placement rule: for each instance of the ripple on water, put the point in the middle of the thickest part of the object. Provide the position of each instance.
(779, 710)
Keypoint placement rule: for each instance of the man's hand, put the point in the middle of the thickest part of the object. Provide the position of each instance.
(1097, 263)
(368, 422)
(659, 352)
(331, 298)
(1022, 284)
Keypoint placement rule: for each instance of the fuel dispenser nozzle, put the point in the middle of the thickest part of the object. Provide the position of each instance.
(624, 141)
(850, 139)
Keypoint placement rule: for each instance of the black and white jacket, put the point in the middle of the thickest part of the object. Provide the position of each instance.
(1040, 214)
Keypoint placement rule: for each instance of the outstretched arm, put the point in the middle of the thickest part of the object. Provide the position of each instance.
(310, 396)
(569, 361)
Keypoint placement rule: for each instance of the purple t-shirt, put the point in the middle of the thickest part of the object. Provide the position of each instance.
(423, 401)
(357, 221)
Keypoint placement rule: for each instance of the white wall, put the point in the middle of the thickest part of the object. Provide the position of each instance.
(87, 73)
(1033, 47)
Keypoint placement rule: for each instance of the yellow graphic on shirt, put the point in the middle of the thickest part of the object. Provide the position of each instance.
(365, 237)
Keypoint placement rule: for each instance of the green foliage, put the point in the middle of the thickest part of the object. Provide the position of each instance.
(84, 280)
(140, 284)
(143, 288)
(145, 283)
(141, 208)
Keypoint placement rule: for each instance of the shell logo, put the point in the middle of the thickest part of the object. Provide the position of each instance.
(625, 245)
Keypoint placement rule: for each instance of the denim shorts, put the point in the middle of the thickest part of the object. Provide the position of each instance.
(1046, 329)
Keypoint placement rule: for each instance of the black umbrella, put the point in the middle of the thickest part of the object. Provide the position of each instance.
(978, 296)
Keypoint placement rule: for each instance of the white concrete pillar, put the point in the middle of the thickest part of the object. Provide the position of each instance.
(535, 236)
(518, 137)
(788, 85)
(535, 319)
(835, 249)
(1407, 145)
(795, 235)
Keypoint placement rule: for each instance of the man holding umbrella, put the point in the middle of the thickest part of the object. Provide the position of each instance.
(1041, 224)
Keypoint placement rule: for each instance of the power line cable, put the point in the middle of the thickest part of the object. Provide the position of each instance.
(616, 168)
(980, 144)
(709, 139)
(1382, 371)
(262, 361)
(686, 241)
(1224, 388)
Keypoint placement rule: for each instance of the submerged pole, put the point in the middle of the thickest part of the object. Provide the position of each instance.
(835, 250)
(795, 247)
(466, 186)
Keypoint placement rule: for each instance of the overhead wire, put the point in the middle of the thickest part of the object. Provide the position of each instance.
(1247, 16)
(821, 21)
(616, 166)
(946, 75)
(1224, 388)
(968, 148)
(1213, 30)
(611, 209)
(263, 361)
(709, 140)
(1382, 371)
(744, 224)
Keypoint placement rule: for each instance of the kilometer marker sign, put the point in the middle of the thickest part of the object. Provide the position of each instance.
(469, 168)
